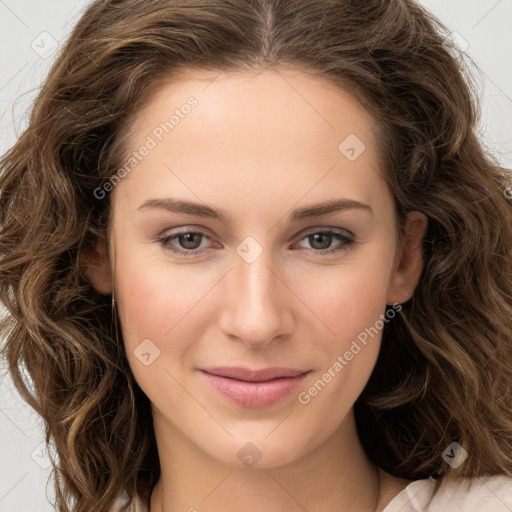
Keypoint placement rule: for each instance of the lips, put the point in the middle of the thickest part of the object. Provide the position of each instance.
(248, 375)
(254, 388)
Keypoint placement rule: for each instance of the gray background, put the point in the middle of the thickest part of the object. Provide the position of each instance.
(29, 32)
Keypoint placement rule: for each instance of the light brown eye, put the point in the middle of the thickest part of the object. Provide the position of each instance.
(321, 241)
(185, 243)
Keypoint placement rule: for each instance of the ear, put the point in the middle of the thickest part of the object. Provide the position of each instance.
(409, 261)
(96, 267)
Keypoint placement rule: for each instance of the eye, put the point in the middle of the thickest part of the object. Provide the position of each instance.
(320, 241)
(186, 242)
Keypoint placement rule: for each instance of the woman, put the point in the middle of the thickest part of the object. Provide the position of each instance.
(193, 341)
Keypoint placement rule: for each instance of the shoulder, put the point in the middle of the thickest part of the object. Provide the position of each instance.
(484, 494)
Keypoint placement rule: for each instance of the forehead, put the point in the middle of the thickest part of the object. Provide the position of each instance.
(253, 129)
(262, 99)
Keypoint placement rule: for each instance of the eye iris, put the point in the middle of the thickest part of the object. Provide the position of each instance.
(187, 240)
(324, 238)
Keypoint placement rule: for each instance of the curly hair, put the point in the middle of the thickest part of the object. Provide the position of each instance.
(444, 371)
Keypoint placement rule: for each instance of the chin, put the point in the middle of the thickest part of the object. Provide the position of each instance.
(259, 452)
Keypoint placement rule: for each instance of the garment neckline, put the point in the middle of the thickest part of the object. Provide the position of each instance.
(408, 496)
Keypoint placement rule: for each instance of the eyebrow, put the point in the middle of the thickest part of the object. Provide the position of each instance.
(317, 210)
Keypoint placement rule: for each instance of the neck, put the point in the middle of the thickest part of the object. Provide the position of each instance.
(336, 475)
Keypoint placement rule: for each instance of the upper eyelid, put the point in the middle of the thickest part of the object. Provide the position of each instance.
(308, 231)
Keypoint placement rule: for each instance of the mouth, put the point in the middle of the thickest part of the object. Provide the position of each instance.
(254, 388)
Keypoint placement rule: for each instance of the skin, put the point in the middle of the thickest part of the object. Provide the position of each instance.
(258, 145)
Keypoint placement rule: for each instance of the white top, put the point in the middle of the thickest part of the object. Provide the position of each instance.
(485, 494)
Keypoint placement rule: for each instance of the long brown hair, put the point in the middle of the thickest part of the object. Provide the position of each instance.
(444, 373)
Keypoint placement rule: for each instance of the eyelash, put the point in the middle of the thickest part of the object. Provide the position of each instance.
(346, 240)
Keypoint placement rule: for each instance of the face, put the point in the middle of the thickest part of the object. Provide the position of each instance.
(224, 254)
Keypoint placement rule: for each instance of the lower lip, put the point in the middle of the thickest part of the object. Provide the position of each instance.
(254, 394)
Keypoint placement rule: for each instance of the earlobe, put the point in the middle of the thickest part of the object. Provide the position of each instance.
(409, 263)
(95, 265)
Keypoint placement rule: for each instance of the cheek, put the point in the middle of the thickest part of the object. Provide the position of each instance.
(347, 298)
(159, 313)
(351, 304)
(155, 301)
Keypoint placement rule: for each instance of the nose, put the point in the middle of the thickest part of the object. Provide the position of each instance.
(256, 303)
